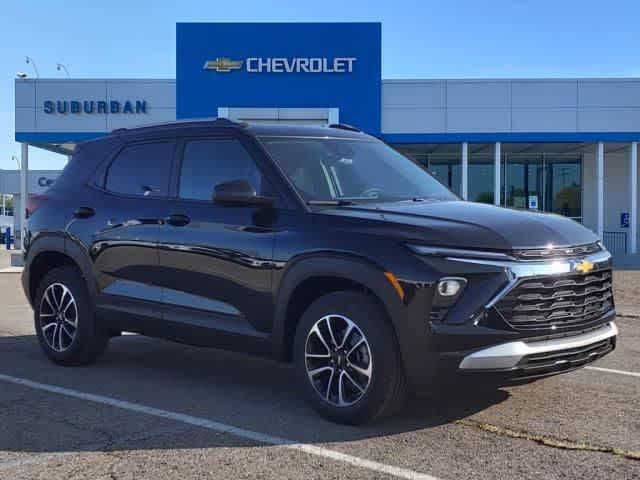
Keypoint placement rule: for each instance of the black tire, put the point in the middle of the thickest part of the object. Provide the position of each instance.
(89, 341)
(385, 391)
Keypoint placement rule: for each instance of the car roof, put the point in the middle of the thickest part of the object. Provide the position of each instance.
(188, 126)
(284, 130)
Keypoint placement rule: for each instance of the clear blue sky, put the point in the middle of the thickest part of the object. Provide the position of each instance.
(420, 39)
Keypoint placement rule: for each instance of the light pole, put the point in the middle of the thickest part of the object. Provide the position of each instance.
(62, 66)
(30, 60)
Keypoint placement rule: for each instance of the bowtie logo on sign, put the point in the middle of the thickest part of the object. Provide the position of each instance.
(283, 64)
(222, 64)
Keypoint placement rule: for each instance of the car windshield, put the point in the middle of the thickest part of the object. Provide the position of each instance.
(351, 170)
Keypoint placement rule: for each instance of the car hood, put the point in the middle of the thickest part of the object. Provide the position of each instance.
(470, 225)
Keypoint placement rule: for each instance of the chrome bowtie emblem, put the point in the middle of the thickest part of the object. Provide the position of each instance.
(584, 267)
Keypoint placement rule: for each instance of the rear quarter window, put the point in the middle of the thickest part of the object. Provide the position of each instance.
(142, 169)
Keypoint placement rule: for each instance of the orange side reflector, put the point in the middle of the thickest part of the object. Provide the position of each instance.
(393, 280)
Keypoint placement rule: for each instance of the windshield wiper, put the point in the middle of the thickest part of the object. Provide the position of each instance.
(423, 199)
(330, 203)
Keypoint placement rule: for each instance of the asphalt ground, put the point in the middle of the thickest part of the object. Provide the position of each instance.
(151, 409)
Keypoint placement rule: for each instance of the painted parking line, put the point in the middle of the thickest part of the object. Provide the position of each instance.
(224, 428)
(612, 370)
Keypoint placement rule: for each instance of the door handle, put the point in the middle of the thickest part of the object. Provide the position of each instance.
(178, 220)
(84, 212)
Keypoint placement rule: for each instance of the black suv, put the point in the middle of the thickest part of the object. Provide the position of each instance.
(317, 245)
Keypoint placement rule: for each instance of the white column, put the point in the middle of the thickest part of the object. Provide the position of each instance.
(497, 182)
(600, 189)
(464, 187)
(223, 112)
(24, 169)
(334, 116)
(633, 201)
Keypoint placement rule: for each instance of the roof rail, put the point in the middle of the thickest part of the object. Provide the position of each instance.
(344, 126)
(183, 122)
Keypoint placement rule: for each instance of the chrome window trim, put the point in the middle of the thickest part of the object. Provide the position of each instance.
(507, 355)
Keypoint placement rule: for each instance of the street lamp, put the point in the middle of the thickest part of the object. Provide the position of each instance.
(30, 60)
(61, 66)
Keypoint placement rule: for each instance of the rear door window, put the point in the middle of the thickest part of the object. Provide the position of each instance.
(142, 169)
(210, 162)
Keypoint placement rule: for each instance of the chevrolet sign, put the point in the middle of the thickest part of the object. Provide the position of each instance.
(284, 65)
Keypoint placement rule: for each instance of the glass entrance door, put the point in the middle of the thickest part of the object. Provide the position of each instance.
(564, 186)
(546, 182)
(524, 182)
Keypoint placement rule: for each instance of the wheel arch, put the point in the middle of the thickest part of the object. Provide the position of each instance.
(52, 251)
(316, 275)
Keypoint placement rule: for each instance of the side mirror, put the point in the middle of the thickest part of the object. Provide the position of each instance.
(239, 192)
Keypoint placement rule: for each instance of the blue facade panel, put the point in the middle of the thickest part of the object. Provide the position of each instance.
(322, 65)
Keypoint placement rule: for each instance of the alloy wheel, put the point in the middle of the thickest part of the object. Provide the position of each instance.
(58, 317)
(338, 360)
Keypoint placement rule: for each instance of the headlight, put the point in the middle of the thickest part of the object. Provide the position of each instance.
(458, 252)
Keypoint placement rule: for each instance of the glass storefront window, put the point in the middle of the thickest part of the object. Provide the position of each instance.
(481, 173)
(443, 161)
(447, 169)
(533, 177)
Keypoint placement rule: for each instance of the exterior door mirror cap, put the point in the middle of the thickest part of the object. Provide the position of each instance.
(239, 192)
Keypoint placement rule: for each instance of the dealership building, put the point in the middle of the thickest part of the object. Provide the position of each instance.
(567, 146)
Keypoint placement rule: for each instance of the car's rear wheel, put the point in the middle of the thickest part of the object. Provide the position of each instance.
(64, 319)
(347, 358)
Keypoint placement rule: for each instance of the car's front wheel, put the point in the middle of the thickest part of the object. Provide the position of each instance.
(64, 320)
(347, 358)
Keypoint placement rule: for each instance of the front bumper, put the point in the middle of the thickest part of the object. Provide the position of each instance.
(545, 356)
(477, 342)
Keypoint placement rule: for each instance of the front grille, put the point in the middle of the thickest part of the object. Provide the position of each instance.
(558, 303)
(550, 253)
(566, 359)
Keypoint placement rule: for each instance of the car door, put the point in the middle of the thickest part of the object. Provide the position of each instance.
(128, 213)
(216, 259)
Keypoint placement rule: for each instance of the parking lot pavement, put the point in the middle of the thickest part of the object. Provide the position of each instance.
(177, 404)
